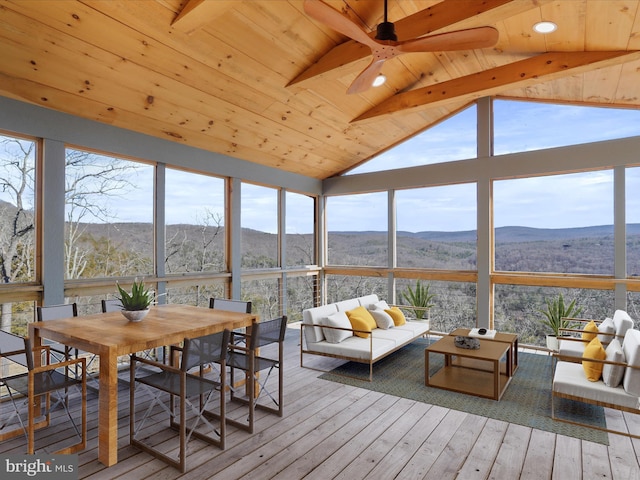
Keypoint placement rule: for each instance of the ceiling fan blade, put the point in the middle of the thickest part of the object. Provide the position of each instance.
(323, 13)
(364, 81)
(481, 37)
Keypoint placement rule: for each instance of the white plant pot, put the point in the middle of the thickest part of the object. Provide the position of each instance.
(135, 315)
(552, 342)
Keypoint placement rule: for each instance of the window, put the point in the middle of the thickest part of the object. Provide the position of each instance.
(453, 139)
(357, 229)
(557, 125)
(195, 216)
(556, 224)
(633, 221)
(300, 216)
(341, 287)
(109, 216)
(436, 227)
(17, 207)
(259, 218)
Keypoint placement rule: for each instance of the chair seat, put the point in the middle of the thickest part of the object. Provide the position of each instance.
(241, 361)
(171, 383)
(43, 382)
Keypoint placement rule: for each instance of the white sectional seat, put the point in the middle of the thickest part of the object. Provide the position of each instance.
(327, 331)
(607, 330)
(618, 385)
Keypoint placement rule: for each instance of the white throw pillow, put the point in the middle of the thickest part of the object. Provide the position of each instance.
(606, 326)
(631, 348)
(338, 319)
(612, 374)
(382, 305)
(382, 318)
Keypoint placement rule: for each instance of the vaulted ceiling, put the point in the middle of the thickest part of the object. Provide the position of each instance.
(262, 81)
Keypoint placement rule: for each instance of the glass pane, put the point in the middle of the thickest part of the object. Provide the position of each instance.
(197, 295)
(259, 218)
(518, 309)
(264, 295)
(109, 216)
(17, 207)
(300, 230)
(357, 229)
(557, 125)
(195, 214)
(436, 227)
(340, 287)
(300, 295)
(454, 304)
(453, 139)
(557, 224)
(633, 221)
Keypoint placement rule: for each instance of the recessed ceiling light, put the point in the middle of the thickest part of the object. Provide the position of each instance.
(379, 80)
(545, 27)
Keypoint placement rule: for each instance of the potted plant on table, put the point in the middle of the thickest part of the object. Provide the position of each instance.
(420, 298)
(556, 317)
(135, 305)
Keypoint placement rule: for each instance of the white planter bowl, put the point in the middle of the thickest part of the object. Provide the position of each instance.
(135, 315)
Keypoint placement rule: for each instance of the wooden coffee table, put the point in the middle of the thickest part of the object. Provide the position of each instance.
(476, 372)
(510, 338)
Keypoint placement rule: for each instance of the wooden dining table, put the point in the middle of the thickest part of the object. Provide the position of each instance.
(110, 336)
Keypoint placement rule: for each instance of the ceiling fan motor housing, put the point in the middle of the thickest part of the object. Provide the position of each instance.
(386, 31)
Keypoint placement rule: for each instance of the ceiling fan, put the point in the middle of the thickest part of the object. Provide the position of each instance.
(385, 45)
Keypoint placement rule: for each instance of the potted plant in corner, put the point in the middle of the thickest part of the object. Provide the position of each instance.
(556, 318)
(420, 298)
(135, 305)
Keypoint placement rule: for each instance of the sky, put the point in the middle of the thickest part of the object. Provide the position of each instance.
(545, 202)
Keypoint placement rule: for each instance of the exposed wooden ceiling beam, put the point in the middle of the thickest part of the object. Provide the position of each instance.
(543, 67)
(461, 13)
(197, 13)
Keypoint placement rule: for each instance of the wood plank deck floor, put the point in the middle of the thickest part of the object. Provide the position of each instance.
(333, 431)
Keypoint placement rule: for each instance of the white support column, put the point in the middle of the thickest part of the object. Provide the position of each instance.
(235, 237)
(53, 221)
(620, 235)
(159, 228)
(484, 254)
(282, 237)
(393, 250)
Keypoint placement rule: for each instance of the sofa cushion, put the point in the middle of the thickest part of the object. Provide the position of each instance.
(345, 305)
(361, 319)
(631, 348)
(382, 318)
(368, 301)
(569, 379)
(612, 374)
(589, 331)
(622, 322)
(606, 330)
(571, 348)
(357, 348)
(340, 320)
(595, 351)
(315, 316)
(397, 315)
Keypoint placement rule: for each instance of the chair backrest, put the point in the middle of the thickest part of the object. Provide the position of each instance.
(54, 312)
(230, 305)
(113, 305)
(15, 343)
(265, 333)
(203, 350)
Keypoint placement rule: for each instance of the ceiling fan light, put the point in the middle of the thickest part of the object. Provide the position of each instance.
(379, 80)
(545, 27)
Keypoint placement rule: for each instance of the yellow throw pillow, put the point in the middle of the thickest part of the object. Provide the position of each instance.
(590, 331)
(361, 319)
(397, 315)
(595, 351)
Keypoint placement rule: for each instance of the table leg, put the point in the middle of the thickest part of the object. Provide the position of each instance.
(496, 380)
(108, 415)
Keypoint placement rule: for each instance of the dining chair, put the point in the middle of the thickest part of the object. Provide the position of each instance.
(252, 360)
(189, 388)
(56, 312)
(29, 383)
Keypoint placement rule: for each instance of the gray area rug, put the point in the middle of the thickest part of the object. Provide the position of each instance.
(527, 400)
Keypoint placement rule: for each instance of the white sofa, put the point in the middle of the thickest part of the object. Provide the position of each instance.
(319, 336)
(608, 329)
(617, 388)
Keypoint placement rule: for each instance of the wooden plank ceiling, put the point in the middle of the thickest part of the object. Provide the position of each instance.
(264, 82)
